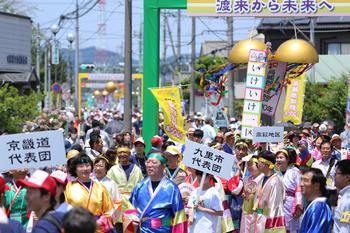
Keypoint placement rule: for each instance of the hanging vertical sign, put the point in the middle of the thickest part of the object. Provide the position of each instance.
(275, 74)
(293, 107)
(347, 123)
(55, 57)
(255, 84)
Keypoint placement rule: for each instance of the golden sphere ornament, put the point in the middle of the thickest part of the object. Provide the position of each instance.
(297, 51)
(110, 87)
(105, 92)
(97, 93)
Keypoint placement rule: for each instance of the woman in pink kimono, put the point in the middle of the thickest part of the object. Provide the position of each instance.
(291, 177)
(268, 206)
(250, 187)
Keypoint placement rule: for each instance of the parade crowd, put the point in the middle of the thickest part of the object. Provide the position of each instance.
(110, 183)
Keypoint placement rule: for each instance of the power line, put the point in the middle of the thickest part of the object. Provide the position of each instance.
(106, 20)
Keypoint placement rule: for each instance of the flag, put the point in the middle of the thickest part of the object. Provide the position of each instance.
(293, 107)
(169, 99)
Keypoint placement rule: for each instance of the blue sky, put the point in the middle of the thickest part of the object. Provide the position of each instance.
(47, 13)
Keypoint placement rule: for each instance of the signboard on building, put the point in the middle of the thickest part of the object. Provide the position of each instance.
(32, 150)
(268, 134)
(268, 8)
(209, 160)
(15, 43)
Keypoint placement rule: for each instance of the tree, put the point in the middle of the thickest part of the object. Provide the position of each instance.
(15, 7)
(326, 102)
(15, 110)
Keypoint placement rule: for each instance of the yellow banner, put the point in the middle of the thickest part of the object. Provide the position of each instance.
(293, 107)
(170, 100)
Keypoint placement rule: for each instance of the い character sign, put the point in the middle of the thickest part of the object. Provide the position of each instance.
(255, 84)
(268, 134)
(32, 150)
(208, 160)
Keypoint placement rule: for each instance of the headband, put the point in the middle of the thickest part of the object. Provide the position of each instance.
(254, 160)
(284, 152)
(123, 149)
(241, 144)
(267, 162)
(159, 157)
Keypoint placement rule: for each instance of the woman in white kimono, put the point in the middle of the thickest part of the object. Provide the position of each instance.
(291, 177)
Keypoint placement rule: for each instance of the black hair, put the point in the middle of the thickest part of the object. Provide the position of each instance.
(325, 142)
(95, 131)
(80, 159)
(77, 147)
(108, 164)
(292, 154)
(79, 219)
(344, 166)
(95, 123)
(111, 155)
(44, 192)
(199, 173)
(73, 131)
(268, 155)
(198, 133)
(294, 135)
(166, 144)
(318, 177)
(94, 138)
(62, 198)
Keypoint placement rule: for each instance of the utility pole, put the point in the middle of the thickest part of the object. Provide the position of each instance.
(76, 83)
(164, 36)
(193, 67)
(38, 57)
(231, 85)
(49, 77)
(312, 41)
(171, 38)
(141, 48)
(45, 74)
(178, 70)
(127, 66)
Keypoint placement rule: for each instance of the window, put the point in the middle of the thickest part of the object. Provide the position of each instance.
(338, 48)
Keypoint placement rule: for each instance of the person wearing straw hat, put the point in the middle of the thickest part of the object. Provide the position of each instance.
(173, 170)
(268, 205)
(157, 201)
(101, 167)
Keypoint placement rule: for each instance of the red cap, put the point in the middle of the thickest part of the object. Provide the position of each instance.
(156, 141)
(40, 179)
(3, 185)
(60, 177)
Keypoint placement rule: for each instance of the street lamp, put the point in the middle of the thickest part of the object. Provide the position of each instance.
(54, 29)
(70, 38)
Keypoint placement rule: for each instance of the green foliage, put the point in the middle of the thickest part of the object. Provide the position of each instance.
(16, 109)
(326, 102)
(207, 63)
